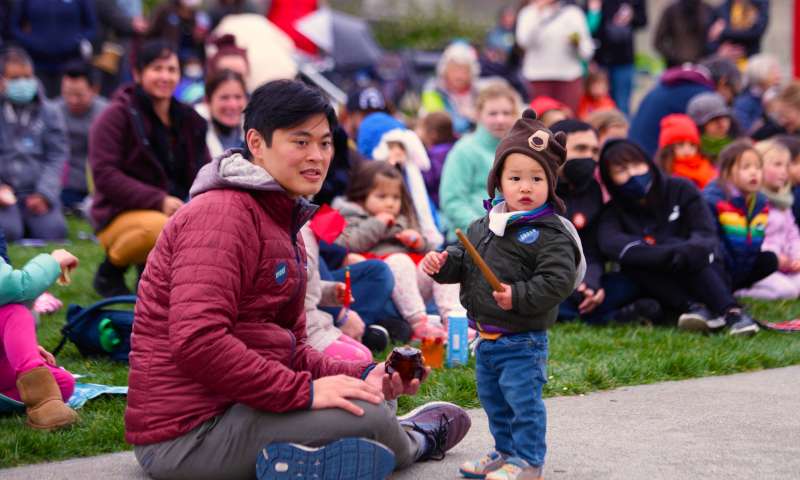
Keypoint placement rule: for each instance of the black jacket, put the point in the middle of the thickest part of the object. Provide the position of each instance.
(615, 43)
(671, 232)
(541, 273)
(584, 207)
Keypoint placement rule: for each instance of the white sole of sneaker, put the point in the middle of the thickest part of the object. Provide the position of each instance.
(423, 407)
(692, 323)
(744, 332)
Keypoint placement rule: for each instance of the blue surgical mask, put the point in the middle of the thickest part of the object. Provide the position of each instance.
(637, 186)
(21, 90)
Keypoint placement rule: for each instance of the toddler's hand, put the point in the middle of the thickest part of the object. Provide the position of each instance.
(503, 298)
(386, 218)
(410, 238)
(433, 262)
(795, 266)
(47, 356)
(67, 261)
(784, 263)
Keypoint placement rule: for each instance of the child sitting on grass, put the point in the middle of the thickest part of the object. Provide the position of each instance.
(27, 371)
(381, 223)
(782, 235)
(679, 151)
(741, 214)
(537, 256)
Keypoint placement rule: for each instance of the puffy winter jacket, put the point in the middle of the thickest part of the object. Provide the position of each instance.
(220, 317)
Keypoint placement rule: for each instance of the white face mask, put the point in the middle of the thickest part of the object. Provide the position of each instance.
(193, 71)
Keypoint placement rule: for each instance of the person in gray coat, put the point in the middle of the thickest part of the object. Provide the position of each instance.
(33, 149)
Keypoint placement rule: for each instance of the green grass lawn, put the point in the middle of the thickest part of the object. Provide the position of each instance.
(583, 359)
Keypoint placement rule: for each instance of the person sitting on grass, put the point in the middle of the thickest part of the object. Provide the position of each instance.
(660, 231)
(537, 256)
(28, 372)
(221, 372)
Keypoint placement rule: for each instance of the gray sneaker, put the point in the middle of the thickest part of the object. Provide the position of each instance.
(442, 423)
(740, 323)
(697, 319)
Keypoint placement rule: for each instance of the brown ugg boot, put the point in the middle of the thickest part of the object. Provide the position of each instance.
(42, 398)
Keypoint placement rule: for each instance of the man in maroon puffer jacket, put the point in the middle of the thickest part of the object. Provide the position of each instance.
(221, 372)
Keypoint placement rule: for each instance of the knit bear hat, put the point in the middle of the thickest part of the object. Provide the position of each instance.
(531, 138)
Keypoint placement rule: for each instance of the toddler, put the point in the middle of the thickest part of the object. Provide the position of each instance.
(27, 371)
(537, 256)
(741, 214)
(782, 235)
(436, 132)
(596, 97)
(381, 223)
(679, 151)
(713, 118)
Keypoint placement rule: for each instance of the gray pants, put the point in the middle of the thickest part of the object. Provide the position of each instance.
(227, 446)
(18, 222)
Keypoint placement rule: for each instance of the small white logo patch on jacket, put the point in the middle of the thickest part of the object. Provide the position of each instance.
(528, 235)
(676, 213)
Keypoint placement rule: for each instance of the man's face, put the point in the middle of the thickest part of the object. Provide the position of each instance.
(583, 145)
(299, 156)
(77, 94)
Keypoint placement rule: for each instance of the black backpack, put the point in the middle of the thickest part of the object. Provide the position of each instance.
(100, 332)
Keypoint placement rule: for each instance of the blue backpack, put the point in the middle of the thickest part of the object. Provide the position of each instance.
(98, 331)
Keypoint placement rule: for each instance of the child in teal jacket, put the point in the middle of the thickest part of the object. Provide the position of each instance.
(27, 371)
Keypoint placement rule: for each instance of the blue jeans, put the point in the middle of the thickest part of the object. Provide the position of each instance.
(372, 283)
(511, 372)
(620, 78)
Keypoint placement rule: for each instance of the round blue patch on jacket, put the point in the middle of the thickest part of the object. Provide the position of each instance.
(528, 235)
(280, 273)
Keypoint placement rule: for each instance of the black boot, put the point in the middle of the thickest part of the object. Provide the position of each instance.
(109, 281)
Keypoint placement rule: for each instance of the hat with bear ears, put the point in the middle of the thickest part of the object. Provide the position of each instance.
(531, 138)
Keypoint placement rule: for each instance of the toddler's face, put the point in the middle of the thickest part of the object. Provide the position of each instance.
(385, 197)
(718, 127)
(776, 170)
(747, 172)
(598, 88)
(397, 154)
(523, 183)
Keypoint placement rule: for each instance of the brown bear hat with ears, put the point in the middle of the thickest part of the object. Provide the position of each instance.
(531, 138)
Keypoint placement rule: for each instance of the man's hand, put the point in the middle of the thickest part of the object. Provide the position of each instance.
(503, 298)
(170, 205)
(433, 262)
(411, 239)
(393, 386)
(336, 392)
(353, 325)
(37, 204)
(591, 299)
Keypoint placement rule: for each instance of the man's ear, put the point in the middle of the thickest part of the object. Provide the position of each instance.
(254, 142)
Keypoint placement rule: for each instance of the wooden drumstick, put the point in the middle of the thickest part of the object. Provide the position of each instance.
(476, 257)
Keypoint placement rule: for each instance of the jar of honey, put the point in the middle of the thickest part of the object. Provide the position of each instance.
(407, 361)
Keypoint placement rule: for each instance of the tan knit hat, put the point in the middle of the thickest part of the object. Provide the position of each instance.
(531, 138)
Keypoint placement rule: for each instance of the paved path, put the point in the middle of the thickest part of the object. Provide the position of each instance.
(738, 426)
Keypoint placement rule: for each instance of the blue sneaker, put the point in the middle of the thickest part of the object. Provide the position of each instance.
(345, 459)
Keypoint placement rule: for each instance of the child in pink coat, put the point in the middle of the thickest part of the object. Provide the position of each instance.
(782, 235)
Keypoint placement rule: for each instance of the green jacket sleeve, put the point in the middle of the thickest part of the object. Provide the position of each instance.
(24, 285)
(553, 281)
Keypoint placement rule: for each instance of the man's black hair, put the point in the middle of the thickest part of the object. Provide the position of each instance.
(151, 51)
(721, 69)
(79, 69)
(13, 55)
(570, 125)
(284, 104)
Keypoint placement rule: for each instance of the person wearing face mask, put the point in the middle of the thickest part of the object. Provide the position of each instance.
(144, 152)
(33, 150)
(462, 188)
(600, 295)
(662, 234)
(225, 99)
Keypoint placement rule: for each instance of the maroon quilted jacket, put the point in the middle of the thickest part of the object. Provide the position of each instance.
(220, 317)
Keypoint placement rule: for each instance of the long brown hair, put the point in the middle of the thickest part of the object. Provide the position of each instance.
(729, 157)
(363, 179)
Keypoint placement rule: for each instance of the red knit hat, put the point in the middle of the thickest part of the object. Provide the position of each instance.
(543, 104)
(678, 128)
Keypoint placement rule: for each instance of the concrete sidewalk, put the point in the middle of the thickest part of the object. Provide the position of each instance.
(738, 426)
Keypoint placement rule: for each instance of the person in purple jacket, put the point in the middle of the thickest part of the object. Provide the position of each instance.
(437, 134)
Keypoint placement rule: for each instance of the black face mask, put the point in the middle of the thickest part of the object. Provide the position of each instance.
(580, 171)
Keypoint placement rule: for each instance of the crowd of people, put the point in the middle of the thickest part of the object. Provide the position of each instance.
(667, 213)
